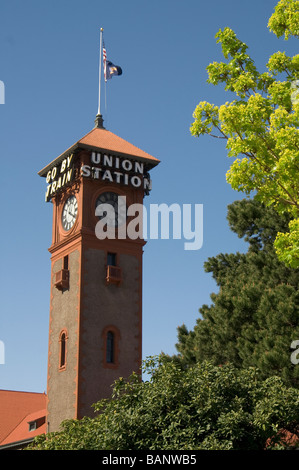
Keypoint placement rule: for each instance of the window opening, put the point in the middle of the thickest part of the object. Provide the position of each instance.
(32, 426)
(62, 359)
(111, 259)
(110, 347)
(66, 262)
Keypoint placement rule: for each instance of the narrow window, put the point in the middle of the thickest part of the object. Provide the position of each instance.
(66, 262)
(111, 259)
(62, 355)
(110, 347)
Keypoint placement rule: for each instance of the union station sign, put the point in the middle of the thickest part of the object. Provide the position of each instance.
(109, 168)
(114, 169)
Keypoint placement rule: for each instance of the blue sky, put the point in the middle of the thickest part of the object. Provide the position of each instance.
(49, 65)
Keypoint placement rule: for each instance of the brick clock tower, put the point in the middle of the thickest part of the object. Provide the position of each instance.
(95, 328)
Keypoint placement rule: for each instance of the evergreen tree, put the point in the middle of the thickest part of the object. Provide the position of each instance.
(254, 317)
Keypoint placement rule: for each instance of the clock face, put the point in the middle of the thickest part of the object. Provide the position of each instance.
(69, 213)
(118, 215)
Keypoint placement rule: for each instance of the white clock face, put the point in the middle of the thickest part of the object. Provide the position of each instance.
(117, 217)
(69, 213)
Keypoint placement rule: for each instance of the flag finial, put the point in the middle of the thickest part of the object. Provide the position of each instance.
(99, 121)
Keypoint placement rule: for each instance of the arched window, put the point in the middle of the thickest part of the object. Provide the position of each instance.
(62, 349)
(110, 342)
(110, 347)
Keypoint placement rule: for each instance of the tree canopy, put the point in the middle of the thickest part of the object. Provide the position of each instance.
(203, 407)
(260, 125)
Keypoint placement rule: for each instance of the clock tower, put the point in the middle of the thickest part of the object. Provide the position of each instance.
(95, 327)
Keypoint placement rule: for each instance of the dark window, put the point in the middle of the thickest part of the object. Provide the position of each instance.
(62, 350)
(66, 262)
(110, 347)
(111, 259)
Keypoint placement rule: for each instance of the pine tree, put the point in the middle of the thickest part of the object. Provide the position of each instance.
(254, 317)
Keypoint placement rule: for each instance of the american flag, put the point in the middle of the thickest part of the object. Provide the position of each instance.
(105, 61)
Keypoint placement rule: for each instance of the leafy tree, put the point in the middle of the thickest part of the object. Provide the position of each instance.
(254, 317)
(285, 19)
(261, 123)
(202, 407)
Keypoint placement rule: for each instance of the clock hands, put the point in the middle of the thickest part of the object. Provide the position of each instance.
(72, 213)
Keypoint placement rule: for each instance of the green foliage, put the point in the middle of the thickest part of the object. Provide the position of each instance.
(202, 407)
(286, 245)
(254, 317)
(261, 125)
(285, 19)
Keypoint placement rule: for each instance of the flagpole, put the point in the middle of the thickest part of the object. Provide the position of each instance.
(100, 69)
(99, 119)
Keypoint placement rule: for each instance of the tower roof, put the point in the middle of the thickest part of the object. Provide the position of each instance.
(100, 139)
